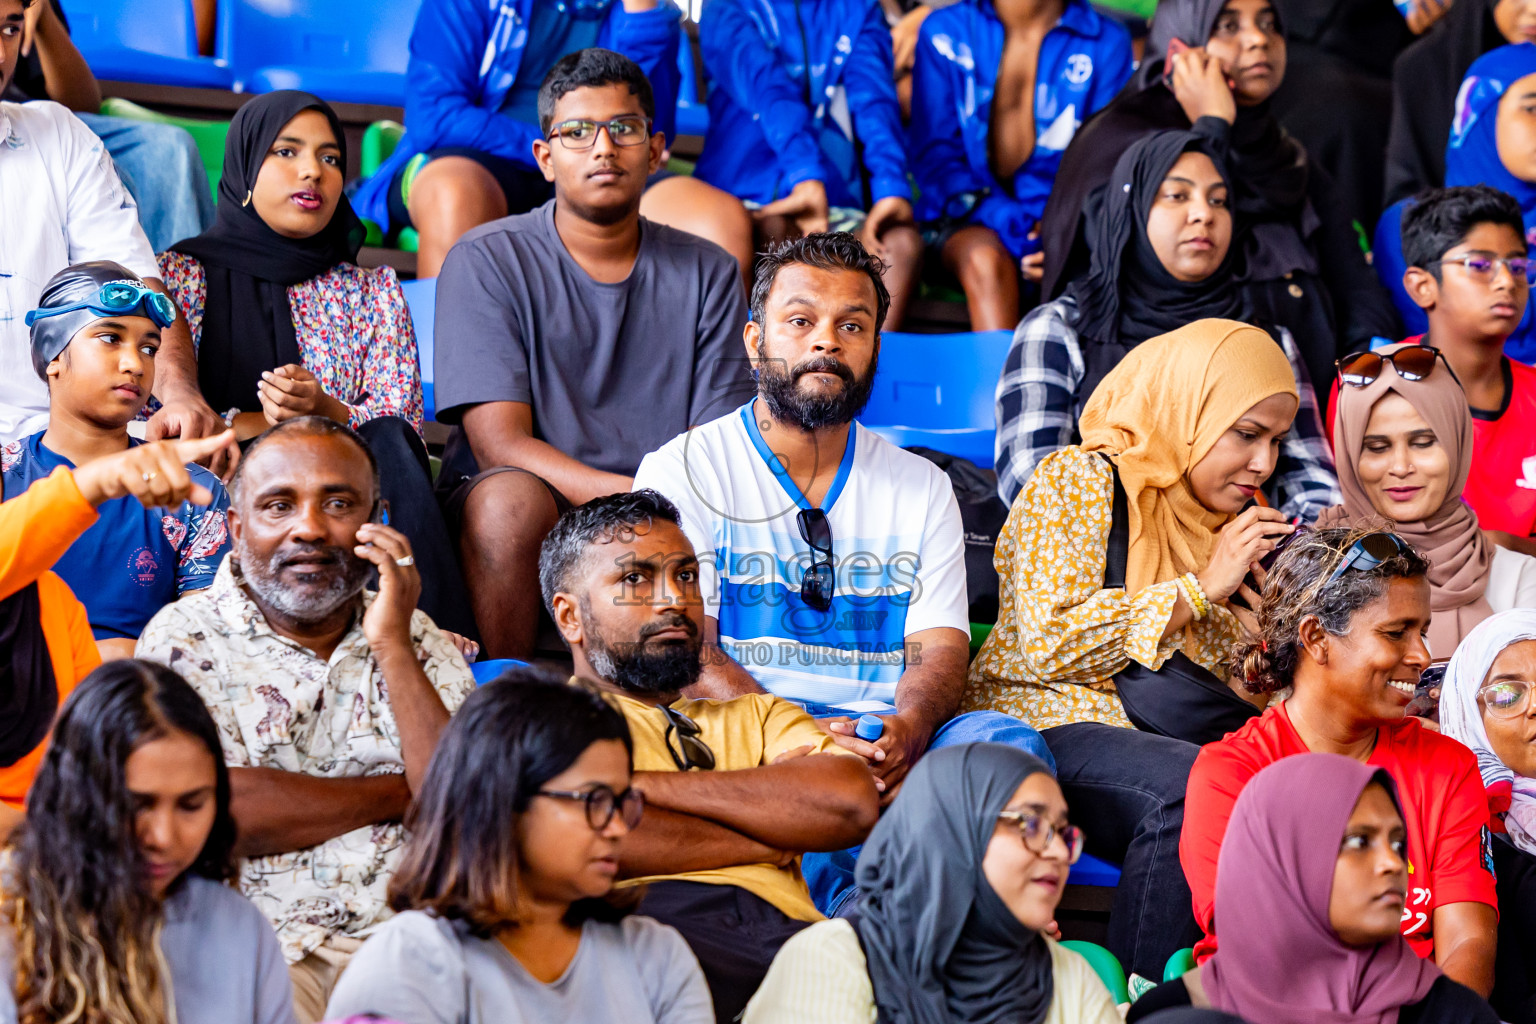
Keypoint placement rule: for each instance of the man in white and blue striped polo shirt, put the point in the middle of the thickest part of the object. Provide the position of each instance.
(833, 567)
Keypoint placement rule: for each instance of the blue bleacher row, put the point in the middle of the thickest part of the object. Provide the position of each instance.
(337, 49)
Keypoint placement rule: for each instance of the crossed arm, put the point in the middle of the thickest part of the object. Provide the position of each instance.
(701, 820)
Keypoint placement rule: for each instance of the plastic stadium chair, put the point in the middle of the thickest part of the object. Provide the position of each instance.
(332, 48)
(1179, 964)
(936, 390)
(485, 671)
(421, 296)
(692, 111)
(1090, 870)
(1105, 966)
(379, 142)
(209, 135)
(151, 41)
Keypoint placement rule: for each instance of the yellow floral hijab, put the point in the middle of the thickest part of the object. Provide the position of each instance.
(1158, 413)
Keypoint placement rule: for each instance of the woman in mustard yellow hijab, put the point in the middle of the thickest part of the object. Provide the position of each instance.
(1190, 425)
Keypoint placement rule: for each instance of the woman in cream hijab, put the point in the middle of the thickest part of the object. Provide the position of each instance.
(1404, 449)
(1191, 421)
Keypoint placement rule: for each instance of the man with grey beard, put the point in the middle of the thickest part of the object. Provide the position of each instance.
(329, 697)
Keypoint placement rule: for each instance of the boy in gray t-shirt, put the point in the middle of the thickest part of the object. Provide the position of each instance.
(573, 340)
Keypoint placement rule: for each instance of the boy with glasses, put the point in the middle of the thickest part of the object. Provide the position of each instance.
(573, 339)
(735, 790)
(1469, 270)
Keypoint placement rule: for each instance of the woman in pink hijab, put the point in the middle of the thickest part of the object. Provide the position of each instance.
(1402, 438)
(1311, 885)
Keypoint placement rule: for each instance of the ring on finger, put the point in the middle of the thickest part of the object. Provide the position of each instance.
(406, 561)
(149, 476)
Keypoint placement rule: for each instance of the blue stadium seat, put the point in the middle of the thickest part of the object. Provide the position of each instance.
(485, 671)
(151, 41)
(692, 111)
(936, 390)
(1089, 870)
(332, 48)
(421, 296)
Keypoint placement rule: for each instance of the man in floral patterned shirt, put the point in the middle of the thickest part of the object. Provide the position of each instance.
(329, 698)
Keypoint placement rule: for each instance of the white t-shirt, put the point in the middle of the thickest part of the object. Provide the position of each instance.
(1511, 581)
(61, 203)
(898, 557)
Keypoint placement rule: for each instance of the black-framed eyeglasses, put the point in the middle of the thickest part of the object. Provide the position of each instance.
(1368, 552)
(629, 130)
(1412, 362)
(689, 752)
(1037, 833)
(1506, 698)
(602, 803)
(1483, 266)
(819, 581)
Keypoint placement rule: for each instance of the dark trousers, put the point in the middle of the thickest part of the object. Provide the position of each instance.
(734, 934)
(405, 481)
(1125, 789)
(1514, 987)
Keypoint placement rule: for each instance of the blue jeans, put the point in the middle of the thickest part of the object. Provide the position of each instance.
(829, 876)
(161, 168)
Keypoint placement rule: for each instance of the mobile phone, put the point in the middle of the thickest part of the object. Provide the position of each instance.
(380, 512)
(1176, 46)
(1426, 696)
(1285, 542)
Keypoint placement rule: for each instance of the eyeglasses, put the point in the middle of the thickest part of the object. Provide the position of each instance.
(628, 130)
(1482, 267)
(1368, 552)
(602, 803)
(1414, 362)
(1038, 834)
(116, 298)
(690, 751)
(1505, 698)
(819, 581)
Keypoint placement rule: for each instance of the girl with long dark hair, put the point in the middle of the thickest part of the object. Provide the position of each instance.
(113, 893)
(504, 892)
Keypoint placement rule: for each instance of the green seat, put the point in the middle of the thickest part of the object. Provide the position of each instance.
(1179, 964)
(379, 142)
(1105, 966)
(979, 633)
(1142, 9)
(209, 135)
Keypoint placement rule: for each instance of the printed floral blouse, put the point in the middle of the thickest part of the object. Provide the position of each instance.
(354, 331)
(1061, 637)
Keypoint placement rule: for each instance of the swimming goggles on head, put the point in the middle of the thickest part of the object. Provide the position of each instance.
(117, 298)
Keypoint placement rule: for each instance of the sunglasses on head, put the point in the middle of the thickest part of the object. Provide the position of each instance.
(1413, 362)
(117, 298)
(819, 581)
(1368, 552)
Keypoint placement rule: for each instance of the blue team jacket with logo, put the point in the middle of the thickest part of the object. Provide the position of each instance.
(1084, 60)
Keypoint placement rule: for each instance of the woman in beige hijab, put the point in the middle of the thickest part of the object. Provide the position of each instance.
(1190, 423)
(1402, 435)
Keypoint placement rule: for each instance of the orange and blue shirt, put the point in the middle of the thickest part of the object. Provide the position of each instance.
(133, 560)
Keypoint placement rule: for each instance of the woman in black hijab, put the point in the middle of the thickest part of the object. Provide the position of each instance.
(286, 324)
(1297, 252)
(960, 882)
(1426, 78)
(1160, 233)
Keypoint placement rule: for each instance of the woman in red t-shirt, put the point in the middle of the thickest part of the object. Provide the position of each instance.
(1342, 623)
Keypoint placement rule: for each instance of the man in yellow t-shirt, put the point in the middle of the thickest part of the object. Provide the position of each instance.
(735, 790)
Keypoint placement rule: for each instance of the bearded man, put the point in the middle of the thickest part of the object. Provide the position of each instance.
(328, 697)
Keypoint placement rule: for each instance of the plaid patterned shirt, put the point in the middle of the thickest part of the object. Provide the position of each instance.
(1037, 407)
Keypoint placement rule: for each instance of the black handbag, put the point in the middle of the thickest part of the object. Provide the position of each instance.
(1182, 699)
